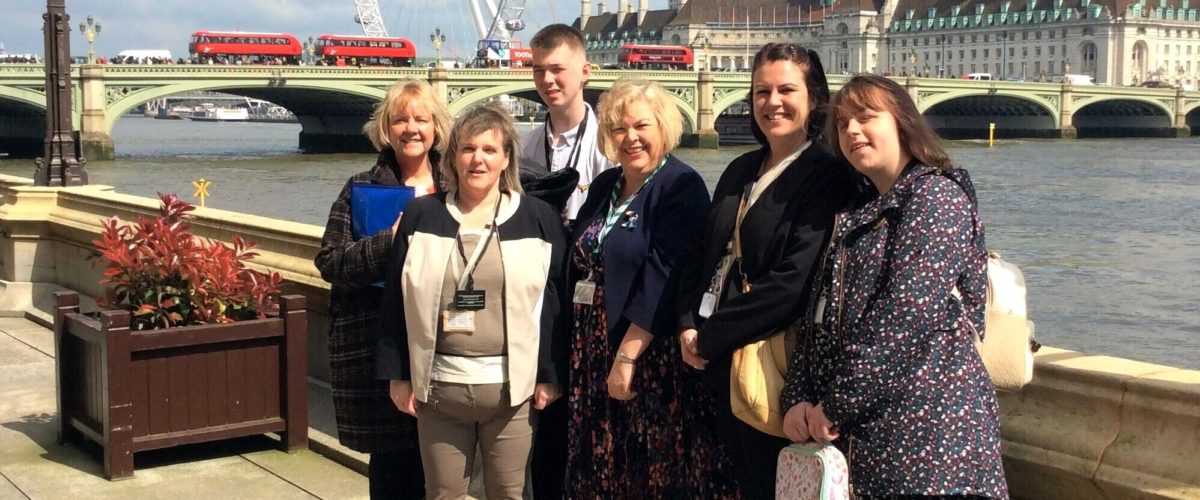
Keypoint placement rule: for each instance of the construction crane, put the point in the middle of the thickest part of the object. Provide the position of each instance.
(370, 18)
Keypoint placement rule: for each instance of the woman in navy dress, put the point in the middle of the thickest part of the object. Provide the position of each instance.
(638, 428)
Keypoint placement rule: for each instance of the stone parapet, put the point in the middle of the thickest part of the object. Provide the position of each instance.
(1086, 427)
(1102, 427)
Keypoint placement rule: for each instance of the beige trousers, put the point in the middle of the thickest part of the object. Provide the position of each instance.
(459, 417)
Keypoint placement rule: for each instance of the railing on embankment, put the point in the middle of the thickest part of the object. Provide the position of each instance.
(1087, 427)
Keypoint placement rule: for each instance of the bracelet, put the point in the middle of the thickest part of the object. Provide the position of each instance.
(625, 358)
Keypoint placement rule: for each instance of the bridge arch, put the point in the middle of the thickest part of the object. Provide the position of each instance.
(290, 96)
(22, 126)
(1123, 116)
(524, 88)
(966, 114)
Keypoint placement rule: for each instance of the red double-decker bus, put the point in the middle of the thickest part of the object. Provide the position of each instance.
(253, 48)
(656, 56)
(340, 50)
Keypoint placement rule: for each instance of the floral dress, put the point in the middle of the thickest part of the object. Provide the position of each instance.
(660, 444)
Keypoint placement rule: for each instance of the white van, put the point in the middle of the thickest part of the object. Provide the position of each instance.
(978, 76)
(1074, 79)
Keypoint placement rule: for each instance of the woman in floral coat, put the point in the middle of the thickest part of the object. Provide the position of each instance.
(890, 370)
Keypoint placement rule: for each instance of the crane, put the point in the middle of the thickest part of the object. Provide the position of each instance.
(370, 18)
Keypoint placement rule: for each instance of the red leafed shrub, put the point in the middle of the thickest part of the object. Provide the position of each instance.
(166, 276)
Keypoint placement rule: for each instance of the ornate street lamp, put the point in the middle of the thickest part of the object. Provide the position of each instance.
(90, 29)
(61, 163)
(926, 70)
(701, 42)
(1179, 72)
(438, 38)
(309, 48)
(912, 62)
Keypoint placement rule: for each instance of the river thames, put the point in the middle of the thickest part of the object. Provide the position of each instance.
(1105, 230)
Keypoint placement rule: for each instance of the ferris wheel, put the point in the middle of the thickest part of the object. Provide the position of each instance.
(492, 21)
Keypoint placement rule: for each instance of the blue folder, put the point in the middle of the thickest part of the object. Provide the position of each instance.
(374, 207)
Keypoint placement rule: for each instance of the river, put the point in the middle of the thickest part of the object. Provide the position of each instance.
(1105, 230)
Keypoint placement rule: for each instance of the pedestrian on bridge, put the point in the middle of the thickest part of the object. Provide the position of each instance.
(408, 128)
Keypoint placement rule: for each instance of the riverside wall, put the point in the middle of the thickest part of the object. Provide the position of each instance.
(1087, 427)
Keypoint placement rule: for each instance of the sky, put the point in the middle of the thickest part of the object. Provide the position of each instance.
(167, 24)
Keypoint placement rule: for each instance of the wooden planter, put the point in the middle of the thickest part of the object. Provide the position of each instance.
(135, 391)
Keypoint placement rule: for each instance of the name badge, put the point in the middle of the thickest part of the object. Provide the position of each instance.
(585, 293)
(469, 300)
(458, 321)
(708, 304)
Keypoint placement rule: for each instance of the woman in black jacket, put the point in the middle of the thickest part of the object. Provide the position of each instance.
(780, 200)
(407, 129)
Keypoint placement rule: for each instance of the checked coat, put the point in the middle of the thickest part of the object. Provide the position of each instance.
(367, 421)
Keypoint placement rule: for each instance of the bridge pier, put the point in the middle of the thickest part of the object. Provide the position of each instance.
(1066, 127)
(95, 142)
(1180, 128)
(706, 136)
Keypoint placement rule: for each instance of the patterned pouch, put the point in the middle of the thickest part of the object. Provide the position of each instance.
(812, 471)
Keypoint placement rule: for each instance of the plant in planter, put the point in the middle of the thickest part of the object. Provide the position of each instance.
(195, 349)
(166, 276)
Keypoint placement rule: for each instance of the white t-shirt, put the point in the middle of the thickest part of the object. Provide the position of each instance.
(589, 161)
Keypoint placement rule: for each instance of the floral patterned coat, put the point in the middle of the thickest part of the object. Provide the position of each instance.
(893, 361)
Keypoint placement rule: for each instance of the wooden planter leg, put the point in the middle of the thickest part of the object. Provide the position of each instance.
(66, 302)
(118, 428)
(295, 372)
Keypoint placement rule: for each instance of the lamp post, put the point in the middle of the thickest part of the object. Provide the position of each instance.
(926, 70)
(90, 29)
(308, 50)
(912, 62)
(438, 38)
(942, 62)
(1004, 55)
(1179, 72)
(1022, 70)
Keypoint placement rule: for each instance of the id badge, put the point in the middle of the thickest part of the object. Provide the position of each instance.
(469, 300)
(458, 321)
(708, 304)
(585, 293)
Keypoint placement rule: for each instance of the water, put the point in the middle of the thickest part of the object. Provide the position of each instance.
(1104, 229)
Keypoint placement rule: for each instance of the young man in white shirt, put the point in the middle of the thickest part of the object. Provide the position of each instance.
(568, 138)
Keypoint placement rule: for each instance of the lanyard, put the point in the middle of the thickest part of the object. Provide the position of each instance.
(466, 279)
(572, 158)
(615, 212)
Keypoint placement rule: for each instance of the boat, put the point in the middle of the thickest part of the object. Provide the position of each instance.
(207, 112)
(173, 113)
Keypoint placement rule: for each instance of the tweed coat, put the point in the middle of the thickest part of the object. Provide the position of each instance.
(892, 360)
(367, 421)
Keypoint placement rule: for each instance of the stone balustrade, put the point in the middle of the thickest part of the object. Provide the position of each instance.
(1087, 427)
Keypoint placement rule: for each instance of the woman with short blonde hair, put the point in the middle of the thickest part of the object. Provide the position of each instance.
(408, 128)
(639, 426)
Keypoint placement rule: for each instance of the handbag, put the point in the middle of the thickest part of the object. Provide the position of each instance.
(758, 371)
(1007, 350)
(812, 471)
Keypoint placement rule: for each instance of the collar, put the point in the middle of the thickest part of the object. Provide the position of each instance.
(571, 136)
(508, 206)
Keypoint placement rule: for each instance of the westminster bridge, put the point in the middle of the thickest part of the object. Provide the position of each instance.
(332, 103)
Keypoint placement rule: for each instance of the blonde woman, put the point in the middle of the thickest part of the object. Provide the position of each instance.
(639, 426)
(407, 128)
(473, 368)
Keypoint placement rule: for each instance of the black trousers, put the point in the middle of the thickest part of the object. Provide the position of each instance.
(549, 463)
(753, 453)
(396, 475)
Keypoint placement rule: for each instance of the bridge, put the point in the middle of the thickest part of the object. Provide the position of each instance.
(332, 103)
